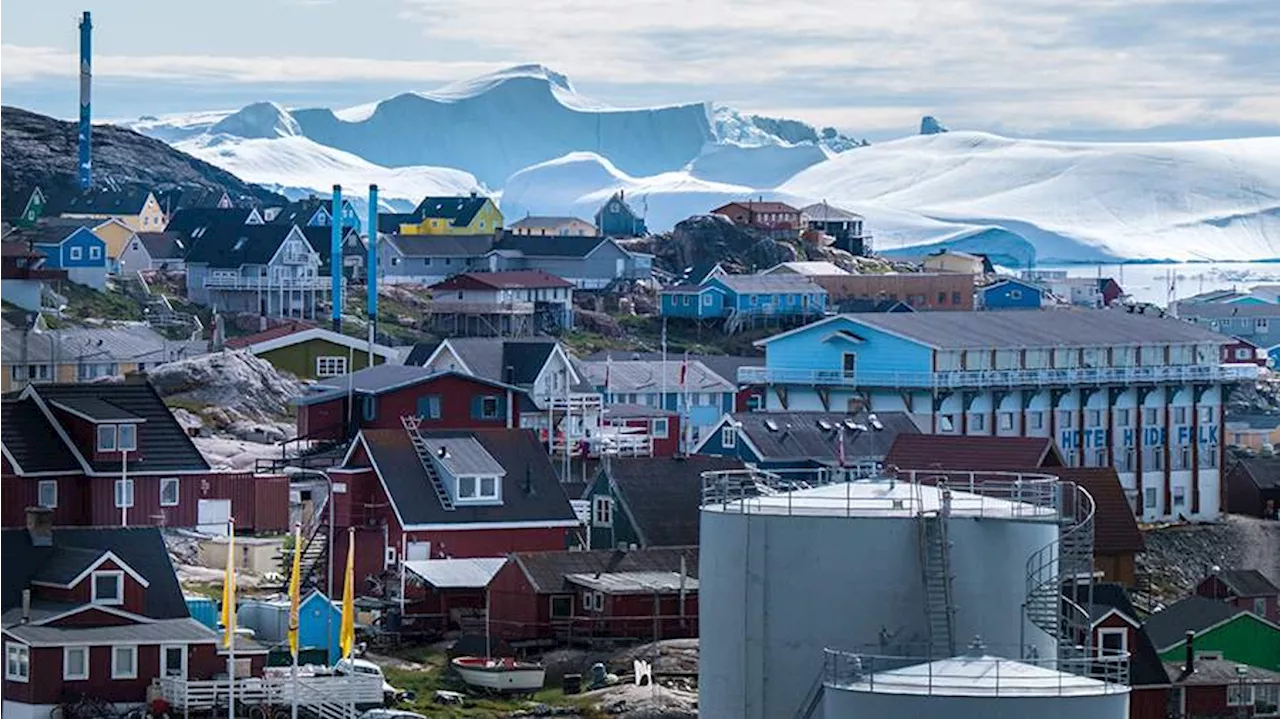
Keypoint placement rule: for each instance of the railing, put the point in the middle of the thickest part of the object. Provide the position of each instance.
(1060, 577)
(267, 283)
(1000, 677)
(463, 307)
(1006, 495)
(998, 378)
(574, 402)
(340, 691)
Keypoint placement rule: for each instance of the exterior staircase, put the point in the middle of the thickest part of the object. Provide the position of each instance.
(411, 424)
(1060, 581)
(935, 566)
(315, 552)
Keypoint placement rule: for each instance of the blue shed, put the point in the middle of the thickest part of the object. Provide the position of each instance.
(1011, 294)
(317, 616)
(203, 610)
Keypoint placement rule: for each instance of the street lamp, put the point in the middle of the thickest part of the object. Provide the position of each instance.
(303, 471)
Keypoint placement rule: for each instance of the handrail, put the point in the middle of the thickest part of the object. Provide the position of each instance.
(997, 378)
(1064, 563)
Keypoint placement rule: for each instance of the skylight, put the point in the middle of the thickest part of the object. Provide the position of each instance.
(824, 425)
(771, 425)
(239, 244)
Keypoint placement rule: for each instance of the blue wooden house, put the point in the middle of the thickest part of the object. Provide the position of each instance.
(317, 212)
(777, 295)
(1011, 294)
(319, 623)
(615, 218)
(74, 249)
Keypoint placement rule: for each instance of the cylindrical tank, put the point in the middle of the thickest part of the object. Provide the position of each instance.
(980, 686)
(783, 576)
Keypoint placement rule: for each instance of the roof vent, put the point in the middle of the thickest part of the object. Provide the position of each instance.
(876, 424)
(850, 424)
(824, 425)
(771, 425)
(443, 452)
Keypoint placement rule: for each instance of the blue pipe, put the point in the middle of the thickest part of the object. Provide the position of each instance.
(335, 256)
(371, 264)
(86, 84)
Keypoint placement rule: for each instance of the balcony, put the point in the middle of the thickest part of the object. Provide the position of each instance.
(265, 284)
(984, 379)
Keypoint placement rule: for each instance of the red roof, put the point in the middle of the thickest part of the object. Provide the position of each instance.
(753, 206)
(272, 333)
(515, 279)
(971, 453)
(19, 249)
(1115, 530)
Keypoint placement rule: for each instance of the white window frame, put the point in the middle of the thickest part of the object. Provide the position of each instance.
(977, 422)
(95, 253)
(1260, 606)
(76, 253)
(1179, 496)
(1239, 695)
(41, 486)
(729, 437)
(66, 663)
(125, 487)
(116, 673)
(1109, 632)
(1150, 498)
(177, 491)
(103, 431)
(17, 656)
(664, 424)
(93, 587)
(132, 446)
(475, 489)
(1006, 420)
(602, 511)
(331, 366)
(1035, 419)
(551, 607)
(481, 493)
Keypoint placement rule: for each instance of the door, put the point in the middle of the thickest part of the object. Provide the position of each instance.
(850, 363)
(212, 515)
(418, 550)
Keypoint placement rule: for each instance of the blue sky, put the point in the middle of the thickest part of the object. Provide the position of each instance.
(1070, 69)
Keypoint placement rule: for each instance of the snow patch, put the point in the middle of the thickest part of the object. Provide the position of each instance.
(259, 120)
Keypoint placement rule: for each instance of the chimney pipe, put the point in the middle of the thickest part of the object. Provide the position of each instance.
(371, 269)
(1190, 665)
(85, 170)
(26, 606)
(40, 526)
(335, 257)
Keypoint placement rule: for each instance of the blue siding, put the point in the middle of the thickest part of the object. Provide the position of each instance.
(783, 303)
(879, 352)
(699, 307)
(1012, 295)
(60, 255)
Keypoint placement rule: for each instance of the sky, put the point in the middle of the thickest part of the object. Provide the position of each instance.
(1060, 69)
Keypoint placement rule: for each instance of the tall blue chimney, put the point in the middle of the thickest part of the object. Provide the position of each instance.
(335, 256)
(86, 83)
(371, 268)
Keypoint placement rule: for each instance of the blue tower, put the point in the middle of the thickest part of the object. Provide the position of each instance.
(335, 256)
(86, 84)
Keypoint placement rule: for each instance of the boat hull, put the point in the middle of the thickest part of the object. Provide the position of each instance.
(500, 675)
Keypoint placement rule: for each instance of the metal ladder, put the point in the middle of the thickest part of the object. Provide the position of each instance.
(427, 459)
(935, 566)
(812, 699)
(1060, 580)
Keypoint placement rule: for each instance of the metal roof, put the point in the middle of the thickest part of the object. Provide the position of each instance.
(96, 409)
(1227, 310)
(120, 343)
(544, 222)
(635, 582)
(647, 376)
(441, 245)
(1169, 626)
(808, 268)
(769, 283)
(464, 457)
(982, 676)
(823, 212)
(184, 630)
(474, 573)
(882, 498)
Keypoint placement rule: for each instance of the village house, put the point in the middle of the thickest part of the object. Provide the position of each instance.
(846, 227)
(428, 259)
(1253, 487)
(688, 387)
(382, 396)
(768, 216)
(354, 252)
(749, 397)
(81, 354)
(32, 209)
(444, 594)
(748, 297)
(74, 249)
(188, 220)
(470, 215)
(113, 454)
(517, 302)
(807, 269)
(921, 291)
(631, 430)
(309, 352)
(270, 270)
(546, 598)
(315, 211)
(1256, 322)
(1217, 688)
(136, 208)
(95, 612)
(1246, 589)
(590, 263)
(947, 260)
(615, 218)
(1215, 630)
(636, 502)
(543, 226)
(113, 232)
(1253, 431)
(153, 251)
(182, 198)
(1116, 630)
(1242, 351)
(24, 276)
(1010, 293)
(446, 494)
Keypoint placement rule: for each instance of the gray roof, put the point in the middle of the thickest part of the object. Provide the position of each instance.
(1170, 625)
(771, 283)
(1247, 583)
(626, 411)
(121, 343)
(800, 436)
(441, 245)
(164, 630)
(1031, 328)
(662, 496)
(1220, 672)
(456, 573)
(547, 571)
(67, 564)
(635, 582)
(726, 366)
(647, 376)
(545, 222)
(95, 408)
(823, 212)
(26, 436)
(163, 245)
(464, 457)
(550, 245)
(1215, 310)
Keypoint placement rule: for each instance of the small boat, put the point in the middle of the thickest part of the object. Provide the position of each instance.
(501, 675)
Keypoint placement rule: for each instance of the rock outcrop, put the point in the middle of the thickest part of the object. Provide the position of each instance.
(929, 125)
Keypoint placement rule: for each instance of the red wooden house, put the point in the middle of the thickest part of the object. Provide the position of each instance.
(96, 612)
(549, 597)
(656, 428)
(1242, 351)
(761, 215)
(442, 594)
(112, 454)
(447, 493)
(381, 395)
(1246, 589)
(1118, 632)
(1210, 688)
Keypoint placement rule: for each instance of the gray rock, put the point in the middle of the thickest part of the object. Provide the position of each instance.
(929, 125)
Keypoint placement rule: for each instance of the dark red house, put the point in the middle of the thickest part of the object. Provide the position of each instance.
(1242, 351)
(112, 454)
(1211, 688)
(1111, 291)
(551, 597)
(96, 612)
(1246, 589)
(1253, 487)
(655, 427)
(1118, 632)
(447, 493)
(761, 215)
(382, 394)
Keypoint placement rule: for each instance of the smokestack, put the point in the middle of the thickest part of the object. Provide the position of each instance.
(371, 268)
(26, 606)
(335, 257)
(1190, 665)
(86, 83)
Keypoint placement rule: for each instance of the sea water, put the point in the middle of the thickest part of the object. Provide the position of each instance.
(1158, 282)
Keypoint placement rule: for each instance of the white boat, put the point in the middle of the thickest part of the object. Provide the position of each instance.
(501, 675)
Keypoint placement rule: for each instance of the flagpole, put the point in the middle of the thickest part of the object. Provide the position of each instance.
(663, 402)
(295, 599)
(347, 636)
(229, 617)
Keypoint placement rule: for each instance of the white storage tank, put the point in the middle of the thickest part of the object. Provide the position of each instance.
(976, 685)
(783, 576)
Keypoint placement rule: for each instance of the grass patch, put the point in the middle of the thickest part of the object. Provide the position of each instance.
(424, 683)
(85, 303)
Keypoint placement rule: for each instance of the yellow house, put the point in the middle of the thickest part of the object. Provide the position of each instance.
(116, 234)
(570, 226)
(138, 210)
(473, 215)
(953, 261)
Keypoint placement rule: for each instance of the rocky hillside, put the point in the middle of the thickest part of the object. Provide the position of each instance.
(1179, 556)
(39, 150)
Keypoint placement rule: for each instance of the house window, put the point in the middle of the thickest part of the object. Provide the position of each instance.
(1113, 644)
(1239, 695)
(108, 587)
(95, 253)
(169, 489)
(17, 662)
(1206, 415)
(47, 492)
(429, 406)
(76, 253)
(466, 487)
(561, 607)
(946, 423)
(602, 511)
(488, 407)
(1123, 417)
(1093, 418)
(1244, 353)
(1064, 419)
(124, 662)
(106, 438)
(706, 300)
(330, 366)
(1179, 415)
(1035, 420)
(942, 298)
(1260, 324)
(75, 663)
(1260, 606)
(127, 437)
(1015, 294)
(489, 487)
(729, 437)
(1006, 420)
(369, 410)
(1149, 499)
(1149, 416)
(477, 488)
(659, 428)
(124, 493)
(977, 422)
(1179, 496)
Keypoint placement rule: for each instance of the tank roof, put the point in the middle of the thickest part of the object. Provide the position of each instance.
(981, 676)
(1024, 497)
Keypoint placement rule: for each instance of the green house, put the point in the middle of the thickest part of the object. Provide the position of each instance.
(1220, 630)
(33, 210)
(312, 352)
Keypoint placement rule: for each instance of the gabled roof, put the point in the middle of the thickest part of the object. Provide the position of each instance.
(321, 239)
(726, 366)
(441, 245)
(515, 279)
(30, 440)
(184, 630)
(300, 212)
(1115, 528)
(51, 233)
(106, 202)
(271, 333)
(1012, 281)
(808, 269)
(572, 246)
(460, 211)
(1263, 471)
(863, 304)
(801, 436)
(236, 245)
(1169, 626)
(163, 245)
(971, 452)
(757, 206)
(188, 219)
(181, 198)
(785, 283)
(1145, 667)
(546, 571)
(531, 493)
(823, 212)
(516, 361)
(1247, 583)
(298, 333)
(648, 376)
(384, 378)
(662, 496)
(535, 222)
